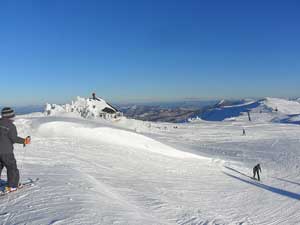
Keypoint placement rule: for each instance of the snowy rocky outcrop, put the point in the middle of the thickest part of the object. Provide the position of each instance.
(86, 108)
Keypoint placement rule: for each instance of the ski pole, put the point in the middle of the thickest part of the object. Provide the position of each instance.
(23, 158)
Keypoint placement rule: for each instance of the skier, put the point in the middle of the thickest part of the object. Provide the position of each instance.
(256, 170)
(1, 168)
(244, 132)
(8, 137)
(2, 182)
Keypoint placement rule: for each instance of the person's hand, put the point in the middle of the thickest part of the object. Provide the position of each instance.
(27, 140)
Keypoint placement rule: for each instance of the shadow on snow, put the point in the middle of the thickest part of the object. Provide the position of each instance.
(264, 186)
(229, 168)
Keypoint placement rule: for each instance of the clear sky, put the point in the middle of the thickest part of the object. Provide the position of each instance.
(52, 51)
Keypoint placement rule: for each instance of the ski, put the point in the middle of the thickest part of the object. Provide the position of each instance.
(29, 183)
(3, 183)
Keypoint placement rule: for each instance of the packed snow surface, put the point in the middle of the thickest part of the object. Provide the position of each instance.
(133, 172)
(283, 105)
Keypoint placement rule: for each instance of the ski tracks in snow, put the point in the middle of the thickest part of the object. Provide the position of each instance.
(102, 182)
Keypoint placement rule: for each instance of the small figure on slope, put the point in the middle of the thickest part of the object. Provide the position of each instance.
(9, 137)
(256, 170)
(244, 132)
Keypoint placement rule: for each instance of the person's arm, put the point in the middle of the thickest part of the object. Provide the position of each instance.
(13, 135)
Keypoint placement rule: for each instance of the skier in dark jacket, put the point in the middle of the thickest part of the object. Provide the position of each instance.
(1, 168)
(256, 170)
(9, 137)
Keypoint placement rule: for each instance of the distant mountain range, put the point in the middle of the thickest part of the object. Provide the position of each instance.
(267, 109)
(175, 112)
(20, 110)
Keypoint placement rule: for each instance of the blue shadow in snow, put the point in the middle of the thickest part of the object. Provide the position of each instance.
(289, 119)
(220, 114)
(267, 187)
(229, 168)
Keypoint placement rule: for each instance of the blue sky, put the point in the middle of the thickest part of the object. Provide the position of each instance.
(52, 51)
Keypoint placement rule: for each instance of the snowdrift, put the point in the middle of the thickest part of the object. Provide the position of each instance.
(109, 135)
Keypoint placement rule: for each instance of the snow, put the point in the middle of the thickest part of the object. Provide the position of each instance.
(94, 171)
(109, 136)
(219, 114)
(239, 105)
(283, 106)
(264, 110)
(84, 107)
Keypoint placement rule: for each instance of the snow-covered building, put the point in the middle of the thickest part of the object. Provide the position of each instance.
(86, 107)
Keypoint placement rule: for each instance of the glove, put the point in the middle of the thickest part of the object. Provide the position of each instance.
(27, 140)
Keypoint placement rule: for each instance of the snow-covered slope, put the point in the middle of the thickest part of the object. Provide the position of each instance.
(109, 136)
(283, 106)
(268, 109)
(222, 113)
(135, 172)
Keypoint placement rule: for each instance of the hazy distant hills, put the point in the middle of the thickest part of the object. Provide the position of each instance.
(271, 109)
(266, 109)
(156, 113)
(20, 110)
(166, 112)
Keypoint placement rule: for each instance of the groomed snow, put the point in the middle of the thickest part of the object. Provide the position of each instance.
(133, 172)
(283, 105)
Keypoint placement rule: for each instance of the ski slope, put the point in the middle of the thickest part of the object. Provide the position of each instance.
(264, 110)
(133, 172)
(283, 105)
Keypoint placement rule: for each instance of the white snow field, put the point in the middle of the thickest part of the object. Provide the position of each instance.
(94, 171)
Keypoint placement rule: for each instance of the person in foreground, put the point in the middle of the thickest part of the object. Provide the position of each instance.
(9, 137)
(256, 170)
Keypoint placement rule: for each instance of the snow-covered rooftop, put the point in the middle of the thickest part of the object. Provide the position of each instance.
(85, 107)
